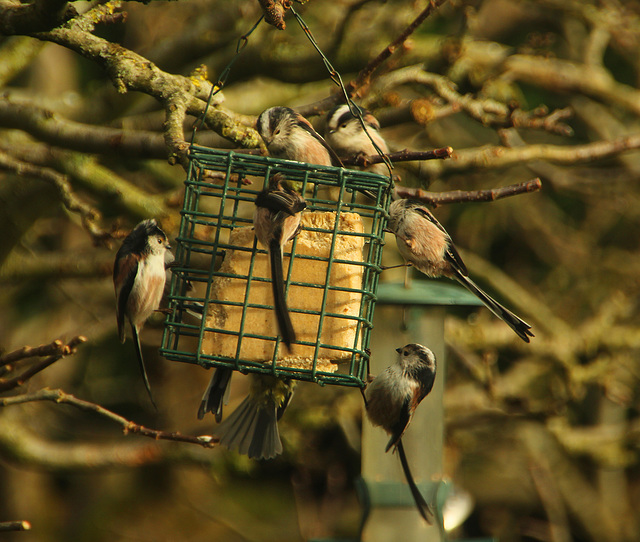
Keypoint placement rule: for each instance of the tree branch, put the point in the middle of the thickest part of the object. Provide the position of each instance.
(459, 196)
(130, 71)
(492, 156)
(128, 427)
(19, 267)
(6, 526)
(88, 215)
(363, 78)
(58, 349)
(48, 126)
(37, 16)
(487, 111)
(401, 156)
(22, 447)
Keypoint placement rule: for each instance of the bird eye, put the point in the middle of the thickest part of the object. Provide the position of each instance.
(159, 240)
(405, 353)
(276, 132)
(343, 125)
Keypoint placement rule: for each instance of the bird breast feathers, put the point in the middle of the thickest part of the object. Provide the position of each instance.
(147, 288)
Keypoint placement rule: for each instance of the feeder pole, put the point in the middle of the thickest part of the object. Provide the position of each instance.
(393, 514)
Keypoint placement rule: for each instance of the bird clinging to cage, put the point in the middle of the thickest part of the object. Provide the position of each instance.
(139, 276)
(425, 244)
(393, 396)
(346, 135)
(276, 221)
(253, 427)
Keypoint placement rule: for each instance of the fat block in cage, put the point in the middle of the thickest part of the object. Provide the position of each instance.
(308, 276)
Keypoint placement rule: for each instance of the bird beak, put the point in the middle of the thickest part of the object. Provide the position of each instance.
(398, 350)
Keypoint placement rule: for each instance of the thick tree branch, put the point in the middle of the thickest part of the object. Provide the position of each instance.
(51, 128)
(130, 71)
(19, 267)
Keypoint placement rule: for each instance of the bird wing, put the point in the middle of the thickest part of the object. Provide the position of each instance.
(124, 275)
(452, 254)
(306, 125)
(286, 201)
(398, 428)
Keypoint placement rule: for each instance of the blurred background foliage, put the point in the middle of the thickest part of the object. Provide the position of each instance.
(544, 436)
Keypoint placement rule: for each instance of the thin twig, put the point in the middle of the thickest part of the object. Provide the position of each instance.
(458, 196)
(53, 348)
(364, 76)
(14, 526)
(58, 350)
(89, 216)
(128, 427)
(401, 156)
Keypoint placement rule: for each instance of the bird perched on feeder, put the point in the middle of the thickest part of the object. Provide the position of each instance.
(425, 244)
(253, 427)
(393, 396)
(139, 277)
(287, 134)
(346, 135)
(276, 221)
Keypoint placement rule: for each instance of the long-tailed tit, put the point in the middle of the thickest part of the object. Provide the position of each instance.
(276, 221)
(139, 277)
(393, 396)
(425, 244)
(289, 135)
(252, 428)
(345, 134)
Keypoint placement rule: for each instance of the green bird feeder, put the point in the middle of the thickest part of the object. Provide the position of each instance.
(221, 302)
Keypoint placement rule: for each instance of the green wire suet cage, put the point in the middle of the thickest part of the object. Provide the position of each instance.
(220, 298)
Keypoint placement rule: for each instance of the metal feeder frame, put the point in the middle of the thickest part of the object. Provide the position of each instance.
(217, 179)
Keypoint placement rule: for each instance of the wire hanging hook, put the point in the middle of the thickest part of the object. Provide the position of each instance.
(222, 80)
(356, 111)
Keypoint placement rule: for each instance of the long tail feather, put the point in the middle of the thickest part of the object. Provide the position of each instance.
(522, 329)
(280, 304)
(136, 344)
(422, 506)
